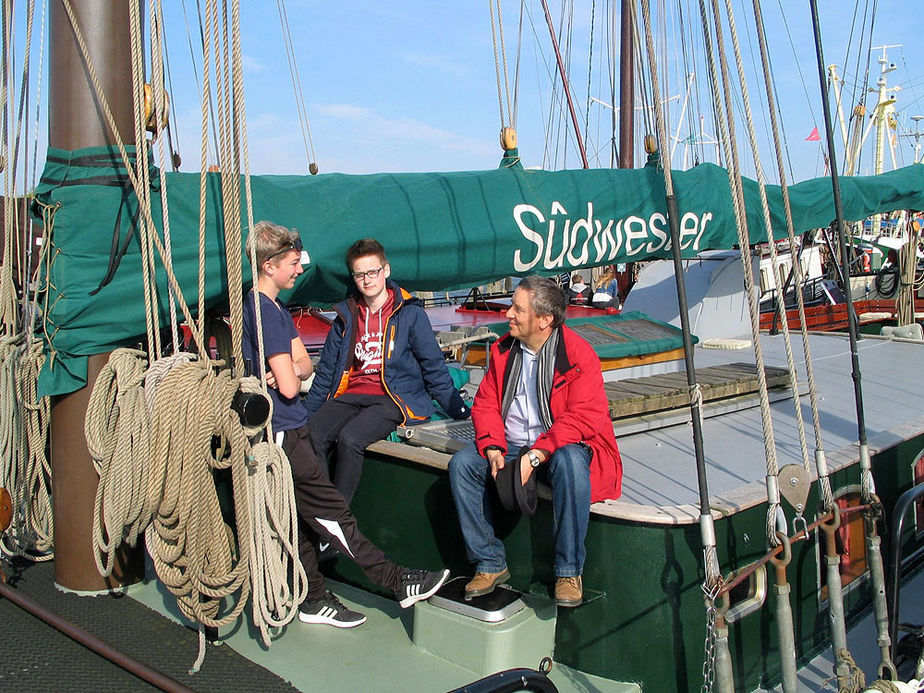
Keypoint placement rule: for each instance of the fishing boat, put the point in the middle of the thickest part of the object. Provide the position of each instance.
(677, 570)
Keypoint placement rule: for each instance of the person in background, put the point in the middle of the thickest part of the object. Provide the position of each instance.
(322, 510)
(542, 407)
(606, 292)
(579, 291)
(380, 368)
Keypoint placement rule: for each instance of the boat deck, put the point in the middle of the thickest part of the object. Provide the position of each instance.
(659, 471)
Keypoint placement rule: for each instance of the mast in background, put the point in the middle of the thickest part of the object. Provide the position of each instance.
(626, 278)
(626, 90)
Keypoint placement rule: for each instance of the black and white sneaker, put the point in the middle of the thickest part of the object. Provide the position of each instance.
(417, 585)
(328, 610)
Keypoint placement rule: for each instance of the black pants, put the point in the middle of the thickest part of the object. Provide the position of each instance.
(324, 514)
(351, 422)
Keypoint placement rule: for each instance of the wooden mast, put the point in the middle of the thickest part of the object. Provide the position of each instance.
(75, 120)
(626, 89)
(625, 279)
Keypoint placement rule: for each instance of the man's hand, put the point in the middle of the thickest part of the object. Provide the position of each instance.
(496, 460)
(270, 379)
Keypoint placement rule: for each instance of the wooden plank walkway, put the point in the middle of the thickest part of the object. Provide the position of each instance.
(652, 393)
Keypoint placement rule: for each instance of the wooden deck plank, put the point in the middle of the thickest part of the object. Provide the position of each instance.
(666, 391)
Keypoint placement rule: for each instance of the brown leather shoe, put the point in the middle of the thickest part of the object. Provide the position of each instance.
(484, 583)
(569, 591)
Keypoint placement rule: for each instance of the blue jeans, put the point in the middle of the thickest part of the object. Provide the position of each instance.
(567, 472)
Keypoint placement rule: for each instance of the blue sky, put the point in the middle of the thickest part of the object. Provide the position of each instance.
(410, 86)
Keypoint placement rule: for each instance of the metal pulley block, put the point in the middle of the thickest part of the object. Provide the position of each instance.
(795, 484)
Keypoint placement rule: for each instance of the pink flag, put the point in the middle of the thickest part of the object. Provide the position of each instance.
(814, 136)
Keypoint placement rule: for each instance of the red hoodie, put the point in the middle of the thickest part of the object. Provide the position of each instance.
(366, 371)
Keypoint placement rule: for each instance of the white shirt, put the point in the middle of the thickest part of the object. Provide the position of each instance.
(523, 423)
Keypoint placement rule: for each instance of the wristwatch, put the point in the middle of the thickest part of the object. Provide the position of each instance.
(534, 460)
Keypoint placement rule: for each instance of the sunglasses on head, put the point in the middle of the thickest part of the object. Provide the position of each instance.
(288, 248)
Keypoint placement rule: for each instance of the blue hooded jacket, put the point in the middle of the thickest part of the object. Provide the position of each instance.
(413, 369)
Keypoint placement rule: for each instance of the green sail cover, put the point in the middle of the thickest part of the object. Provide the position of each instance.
(619, 336)
(441, 231)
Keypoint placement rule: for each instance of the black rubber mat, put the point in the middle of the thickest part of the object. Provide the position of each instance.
(35, 657)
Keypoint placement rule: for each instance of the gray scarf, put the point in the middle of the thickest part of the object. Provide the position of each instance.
(545, 374)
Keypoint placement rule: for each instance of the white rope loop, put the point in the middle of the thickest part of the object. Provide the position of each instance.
(117, 429)
(193, 551)
(24, 467)
(279, 583)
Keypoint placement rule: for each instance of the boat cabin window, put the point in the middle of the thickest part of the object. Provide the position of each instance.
(749, 596)
(917, 472)
(850, 540)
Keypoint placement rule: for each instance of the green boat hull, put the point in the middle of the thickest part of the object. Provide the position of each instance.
(644, 618)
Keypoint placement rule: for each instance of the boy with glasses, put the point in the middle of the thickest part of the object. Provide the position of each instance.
(323, 513)
(380, 367)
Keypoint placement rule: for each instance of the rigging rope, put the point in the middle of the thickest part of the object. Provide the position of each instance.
(114, 131)
(24, 417)
(735, 183)
(297, 88)
(820, 458)
(712, 570)
(160, 116)
(768, 226)
(500, 66)
(278, 580)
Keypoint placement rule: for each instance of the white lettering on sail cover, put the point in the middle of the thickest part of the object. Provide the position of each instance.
(561, 241)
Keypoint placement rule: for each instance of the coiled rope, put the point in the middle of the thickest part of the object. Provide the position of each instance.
(194, 553)
(117, 428)
(24, 467)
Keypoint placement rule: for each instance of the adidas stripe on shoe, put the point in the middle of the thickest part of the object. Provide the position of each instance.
(417, 585)
(329, 611)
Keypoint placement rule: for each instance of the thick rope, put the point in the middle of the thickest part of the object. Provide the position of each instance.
(711, 561)
(278, 580)
(193, 551)
(727, 136)
(24, 466)
(9, 311)
(500, 65)
(768, 227)
(143, 189)
(857, 681)
(117, 429)
(821, 464)
(159, 114)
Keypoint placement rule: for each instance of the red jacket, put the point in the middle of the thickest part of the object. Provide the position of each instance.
(580, 410)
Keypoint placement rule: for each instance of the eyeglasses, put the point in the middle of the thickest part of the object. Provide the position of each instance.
(287, 248)
(368, 274)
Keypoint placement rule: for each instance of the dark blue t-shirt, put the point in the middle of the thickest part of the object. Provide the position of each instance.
(278, 333)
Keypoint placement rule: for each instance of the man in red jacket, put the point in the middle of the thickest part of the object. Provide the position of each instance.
(543, 394)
